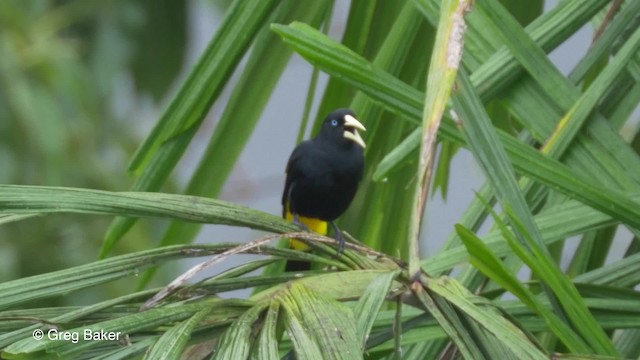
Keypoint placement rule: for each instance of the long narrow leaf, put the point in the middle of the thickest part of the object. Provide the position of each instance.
(484, 260)
(445, 60)
(172, 343)
(122, 326)
(498, 170)
(319, 325)
(370, 302)
(41, 199)
(237, 340)
(169, 139)
(487, 317)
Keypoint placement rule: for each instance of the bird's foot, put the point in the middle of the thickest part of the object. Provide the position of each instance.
(296, 221)
(337, 235)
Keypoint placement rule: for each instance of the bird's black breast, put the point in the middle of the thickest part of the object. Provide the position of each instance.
(322, 180)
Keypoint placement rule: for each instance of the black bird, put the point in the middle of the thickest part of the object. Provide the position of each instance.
(322, 178)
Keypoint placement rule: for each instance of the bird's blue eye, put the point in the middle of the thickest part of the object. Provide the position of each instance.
(334, 122)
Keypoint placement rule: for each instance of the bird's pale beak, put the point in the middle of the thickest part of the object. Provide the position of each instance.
(353, 123)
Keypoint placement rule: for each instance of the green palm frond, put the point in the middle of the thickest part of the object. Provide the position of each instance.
(559, 154)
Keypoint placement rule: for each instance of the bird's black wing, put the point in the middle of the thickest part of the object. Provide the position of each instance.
(305, 163)
(293, 172)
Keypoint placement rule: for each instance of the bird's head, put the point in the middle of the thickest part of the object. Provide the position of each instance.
(342, 125)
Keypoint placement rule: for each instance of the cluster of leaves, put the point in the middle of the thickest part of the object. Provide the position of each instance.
(563, 171)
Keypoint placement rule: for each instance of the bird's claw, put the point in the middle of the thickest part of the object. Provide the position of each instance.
(336, 231)
(296, 221)
(339, 238)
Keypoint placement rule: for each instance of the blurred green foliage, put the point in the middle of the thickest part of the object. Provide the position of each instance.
(77, 80)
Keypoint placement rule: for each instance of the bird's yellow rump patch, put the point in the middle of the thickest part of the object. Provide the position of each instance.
(316, 225)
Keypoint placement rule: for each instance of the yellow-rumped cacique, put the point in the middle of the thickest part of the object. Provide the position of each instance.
(322, 178)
